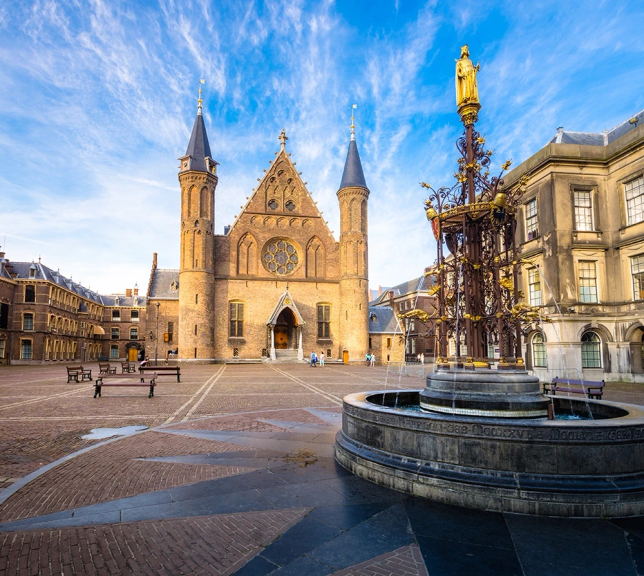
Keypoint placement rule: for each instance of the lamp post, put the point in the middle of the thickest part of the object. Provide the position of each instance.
(156, 347)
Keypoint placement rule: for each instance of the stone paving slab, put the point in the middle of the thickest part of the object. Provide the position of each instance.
(240, 479)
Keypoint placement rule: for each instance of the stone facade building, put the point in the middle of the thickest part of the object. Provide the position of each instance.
(417, 337)
(581, 238)
(45, 317)
(276, 285)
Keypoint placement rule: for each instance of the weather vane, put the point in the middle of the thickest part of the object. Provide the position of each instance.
(353, 128)
(201, 81)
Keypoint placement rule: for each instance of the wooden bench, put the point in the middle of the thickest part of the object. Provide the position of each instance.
(162, 370)
(105, 368)
(592, 388)
(73, 372)
(134, 380)
(128, 367)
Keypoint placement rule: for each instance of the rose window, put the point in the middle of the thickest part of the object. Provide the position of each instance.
(280, 256)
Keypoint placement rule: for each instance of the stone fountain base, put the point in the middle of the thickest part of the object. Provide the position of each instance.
(576, 468)
(485, 392)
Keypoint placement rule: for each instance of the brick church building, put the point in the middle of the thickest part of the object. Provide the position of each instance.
(276, 285)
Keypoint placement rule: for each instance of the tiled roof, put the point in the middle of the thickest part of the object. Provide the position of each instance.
(199, 147)
(353, 174)
(42, 272)
(410, 287)
(163, 284)
(598, 138)
(383, 320)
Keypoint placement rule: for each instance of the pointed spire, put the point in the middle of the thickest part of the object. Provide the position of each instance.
(353, 174)
(199, 147)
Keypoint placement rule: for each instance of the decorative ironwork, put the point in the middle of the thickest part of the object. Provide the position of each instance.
(476, 275)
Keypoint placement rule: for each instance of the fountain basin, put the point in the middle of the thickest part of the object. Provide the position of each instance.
(573, 468)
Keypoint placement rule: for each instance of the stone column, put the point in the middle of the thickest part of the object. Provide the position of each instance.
(272, 343)
(300, 352)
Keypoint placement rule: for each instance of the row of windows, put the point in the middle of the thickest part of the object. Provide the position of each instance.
(583, 208)
(116, 333)
(236, 320)
(116, 315)
(587, 271)
(590, 351)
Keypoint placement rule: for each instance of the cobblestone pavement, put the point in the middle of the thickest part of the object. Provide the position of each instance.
(236, 475)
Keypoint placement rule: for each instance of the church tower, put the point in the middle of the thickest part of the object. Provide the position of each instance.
(198, 179)
(354, 277)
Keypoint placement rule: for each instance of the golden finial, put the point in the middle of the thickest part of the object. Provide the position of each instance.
(353, 127)
(201, 81)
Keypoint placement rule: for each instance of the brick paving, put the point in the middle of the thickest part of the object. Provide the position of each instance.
(201, 545)
(406, 561)
(42, 418)
(111, 471)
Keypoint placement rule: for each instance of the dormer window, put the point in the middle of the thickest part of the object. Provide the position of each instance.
(32, 272)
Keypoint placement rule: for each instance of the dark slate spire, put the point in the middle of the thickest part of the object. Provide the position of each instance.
(353, 174)
(199, 148)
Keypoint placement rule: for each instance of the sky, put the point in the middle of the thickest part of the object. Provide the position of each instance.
(97, 100)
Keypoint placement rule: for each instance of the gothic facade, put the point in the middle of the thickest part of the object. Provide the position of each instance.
(276, 285)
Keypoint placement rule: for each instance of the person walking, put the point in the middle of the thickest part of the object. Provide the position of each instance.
(373, 360)
(321, 358)
(367, 358)
(314, 359)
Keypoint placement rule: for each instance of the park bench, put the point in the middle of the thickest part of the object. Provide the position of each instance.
(125, 380)
(128, 367)
(162, 370)
(592, 388)
(73, 372)
(105, 368)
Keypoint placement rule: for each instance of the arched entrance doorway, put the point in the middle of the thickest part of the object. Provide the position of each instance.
(133, 349)
(286, 330)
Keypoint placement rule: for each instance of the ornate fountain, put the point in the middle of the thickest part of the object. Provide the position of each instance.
(476, 435)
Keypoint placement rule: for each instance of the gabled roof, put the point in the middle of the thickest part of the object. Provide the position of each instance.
(353, 174)
(165, 284)
(285, 301)
(598, 138)
(413, 286)
(199, 147)
(383, 320)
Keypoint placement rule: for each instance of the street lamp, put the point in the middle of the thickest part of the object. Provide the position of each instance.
(156, 346)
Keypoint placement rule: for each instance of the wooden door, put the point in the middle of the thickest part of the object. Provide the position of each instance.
(132, 354)
(281, 337)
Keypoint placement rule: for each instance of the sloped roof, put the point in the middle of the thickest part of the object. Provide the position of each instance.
(353, 174)
(285, 301)
(163, 284)
(199, 147)
(42, 272)
(598, 138)
(413, 286)
(383, 320)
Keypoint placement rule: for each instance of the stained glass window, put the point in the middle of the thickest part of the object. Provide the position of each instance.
(280, 256)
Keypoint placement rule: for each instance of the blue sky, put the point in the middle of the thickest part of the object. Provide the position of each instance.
(97, 100)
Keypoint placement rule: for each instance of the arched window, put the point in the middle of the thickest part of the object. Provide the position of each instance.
(539, 358)
(591, 350)
(115, 333)
(203, 208)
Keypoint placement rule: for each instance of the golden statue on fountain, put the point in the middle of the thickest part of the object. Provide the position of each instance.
(467, 91)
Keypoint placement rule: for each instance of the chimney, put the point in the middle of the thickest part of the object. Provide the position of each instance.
(136, 290)
(128, 292)
(391, 299)
(154, 260)
(379, 289)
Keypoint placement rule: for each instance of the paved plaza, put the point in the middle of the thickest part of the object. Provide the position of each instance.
(235, 474)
